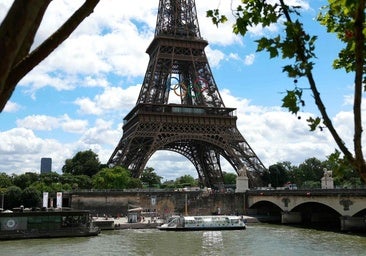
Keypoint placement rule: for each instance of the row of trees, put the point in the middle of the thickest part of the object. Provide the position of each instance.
(309, 173)
(26, 189)
(84, 171)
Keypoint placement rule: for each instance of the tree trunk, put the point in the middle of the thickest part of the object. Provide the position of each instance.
(359, 67)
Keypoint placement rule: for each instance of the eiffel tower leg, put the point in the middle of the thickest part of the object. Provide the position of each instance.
(212, 168)
(207, 164)
(132, 153)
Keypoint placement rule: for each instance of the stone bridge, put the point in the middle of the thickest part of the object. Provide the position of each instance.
(342, 208)
(311, 206)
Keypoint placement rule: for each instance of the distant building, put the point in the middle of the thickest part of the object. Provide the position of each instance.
(46, 165)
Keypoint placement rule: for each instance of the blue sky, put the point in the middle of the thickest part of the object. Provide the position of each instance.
(76, 99)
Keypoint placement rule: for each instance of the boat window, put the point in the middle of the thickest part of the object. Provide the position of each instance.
(71, 221)
(173, 222)
(191, 222)
(234, 221)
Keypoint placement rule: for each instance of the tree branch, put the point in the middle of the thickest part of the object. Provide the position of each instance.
(316, 94)
(17, 32)
(45, 49)
(29, 39)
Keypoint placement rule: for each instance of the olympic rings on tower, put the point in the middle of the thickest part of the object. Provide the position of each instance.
(181, 90)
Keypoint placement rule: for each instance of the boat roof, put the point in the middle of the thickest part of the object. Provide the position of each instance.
(45, 213)
(211, 216)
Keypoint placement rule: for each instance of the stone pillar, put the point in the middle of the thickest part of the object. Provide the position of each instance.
(291, 217)
(327, 180)
(242, 183)
(353, 223)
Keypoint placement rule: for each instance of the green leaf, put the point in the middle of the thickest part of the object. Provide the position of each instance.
(273, 52)
(290, 102)
(313, 123)
(291, 71)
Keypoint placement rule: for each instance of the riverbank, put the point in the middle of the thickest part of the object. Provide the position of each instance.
(146, 223)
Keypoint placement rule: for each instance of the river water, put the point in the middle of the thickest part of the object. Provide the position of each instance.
(257, 239)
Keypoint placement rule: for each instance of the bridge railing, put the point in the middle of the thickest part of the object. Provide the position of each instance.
(309, 192)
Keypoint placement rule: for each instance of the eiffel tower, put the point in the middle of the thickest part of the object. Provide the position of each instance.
(199, 126)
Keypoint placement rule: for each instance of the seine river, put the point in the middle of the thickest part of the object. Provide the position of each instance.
(258, 239)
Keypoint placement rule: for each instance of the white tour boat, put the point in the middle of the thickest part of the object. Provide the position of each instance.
(212, 222)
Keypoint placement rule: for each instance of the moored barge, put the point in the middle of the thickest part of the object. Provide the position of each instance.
(46, 224)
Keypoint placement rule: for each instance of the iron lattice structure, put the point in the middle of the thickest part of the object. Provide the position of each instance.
(199, 127)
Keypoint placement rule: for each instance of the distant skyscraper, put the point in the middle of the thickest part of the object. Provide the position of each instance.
(46, 165)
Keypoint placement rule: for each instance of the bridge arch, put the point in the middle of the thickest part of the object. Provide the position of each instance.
(269, 210)
(361, 213)
(314, 212)
(325, 205)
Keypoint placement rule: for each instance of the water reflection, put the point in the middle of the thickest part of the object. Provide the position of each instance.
(212, 243)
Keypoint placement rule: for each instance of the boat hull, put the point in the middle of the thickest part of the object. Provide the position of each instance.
(53, 234)
(104, 224)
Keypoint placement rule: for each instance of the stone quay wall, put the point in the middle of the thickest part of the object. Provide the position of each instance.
(158, 203)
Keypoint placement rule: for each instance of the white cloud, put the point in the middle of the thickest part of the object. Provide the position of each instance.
(221, 35)
(112, 98)
(49, 123)
(108, 41)
(249, 59)
(301, 3)
(214, 56)
(91, 81)
(171, 165)
(73, 126)
(276, 135)
(11, 107)
(21, 150)
(101, 133)
(38, 79)
(233, 56)
(38, 122)
(4, 8)
(348, 100)
(87, 106)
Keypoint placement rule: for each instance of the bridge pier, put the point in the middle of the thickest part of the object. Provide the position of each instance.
(242, 184)
(323, 217)
(353, 223)
(291, 217)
